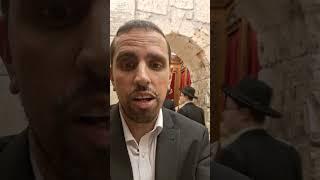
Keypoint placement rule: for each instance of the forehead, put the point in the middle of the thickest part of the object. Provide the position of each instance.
(141, 38)
(18, 6)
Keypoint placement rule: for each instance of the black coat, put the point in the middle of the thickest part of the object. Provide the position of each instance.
(219, 172)
(193, 112)
(169, 104)
(259, 156)
(15, 163)
(183, 149)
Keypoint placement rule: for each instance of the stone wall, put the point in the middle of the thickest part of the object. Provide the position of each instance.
(288, 33)
(186, 24)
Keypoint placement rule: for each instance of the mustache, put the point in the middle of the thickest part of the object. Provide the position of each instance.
(146, 90)
(82, 91)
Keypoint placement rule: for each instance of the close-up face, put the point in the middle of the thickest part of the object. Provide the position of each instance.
(58, 65)
(140, 73)
(232, 116)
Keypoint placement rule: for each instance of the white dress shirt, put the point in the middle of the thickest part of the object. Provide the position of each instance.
(143, 154)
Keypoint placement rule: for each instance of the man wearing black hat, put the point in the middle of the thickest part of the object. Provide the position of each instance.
(251, 150)
(188, 108)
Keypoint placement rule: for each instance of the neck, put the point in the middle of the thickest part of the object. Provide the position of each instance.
(252, 124)
(138, 129)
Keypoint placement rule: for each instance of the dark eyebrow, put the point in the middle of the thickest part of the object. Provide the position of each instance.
(125, 54)
(156, 57)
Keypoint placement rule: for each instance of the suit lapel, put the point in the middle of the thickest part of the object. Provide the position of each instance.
(120, 165)
(14, 159)
(168, 144)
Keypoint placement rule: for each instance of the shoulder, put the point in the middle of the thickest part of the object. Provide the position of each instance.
(184, 123)
(220, 172)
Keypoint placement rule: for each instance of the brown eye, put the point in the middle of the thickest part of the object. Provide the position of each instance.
(128, 66)
(156, 66)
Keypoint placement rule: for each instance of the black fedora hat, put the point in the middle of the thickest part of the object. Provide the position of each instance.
(189, 91)
(255, 94)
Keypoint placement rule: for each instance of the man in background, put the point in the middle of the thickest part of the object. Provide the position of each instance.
(168, 103)
(188, 108)
(250, 149)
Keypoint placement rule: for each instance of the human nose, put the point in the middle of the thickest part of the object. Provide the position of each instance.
(93, 58)
(142, 77)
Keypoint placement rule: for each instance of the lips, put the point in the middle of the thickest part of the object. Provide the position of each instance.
(143, 100)
(91, 120)
(94, 120)
(143, 96)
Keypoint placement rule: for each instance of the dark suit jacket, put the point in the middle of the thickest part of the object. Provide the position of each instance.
(261, 157)
(219, 172)
(193, 112)
(15, 163)
(169, 104)
(182, 149)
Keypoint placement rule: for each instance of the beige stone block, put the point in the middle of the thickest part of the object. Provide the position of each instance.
(163, 22)
(202, 37)
(256, 11)
(121, 11)
(176, 18)
(142, 15)
(186, 28)
(153, 6)
(202, 11)
(183, 4)
(189, 15)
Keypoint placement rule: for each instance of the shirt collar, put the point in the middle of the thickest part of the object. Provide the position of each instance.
(156, 129)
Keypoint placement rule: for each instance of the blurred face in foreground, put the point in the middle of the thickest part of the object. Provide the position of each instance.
(57, 61)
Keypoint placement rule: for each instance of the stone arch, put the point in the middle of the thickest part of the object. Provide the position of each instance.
(197, 62)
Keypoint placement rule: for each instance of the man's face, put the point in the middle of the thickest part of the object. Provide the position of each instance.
(182, 98)
(232, 117)
(140, 73)
(59, 65)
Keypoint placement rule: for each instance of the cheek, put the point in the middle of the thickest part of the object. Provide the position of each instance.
(162, 85)
(123, 84)
(228, 118)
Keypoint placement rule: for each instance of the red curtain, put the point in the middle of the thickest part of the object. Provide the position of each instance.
(232, 76)
(231, 68)
(253, 61)
(171, 94)
(185, 78)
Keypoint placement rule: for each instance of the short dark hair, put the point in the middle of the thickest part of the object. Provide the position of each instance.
(258, 117)
(138, 24)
